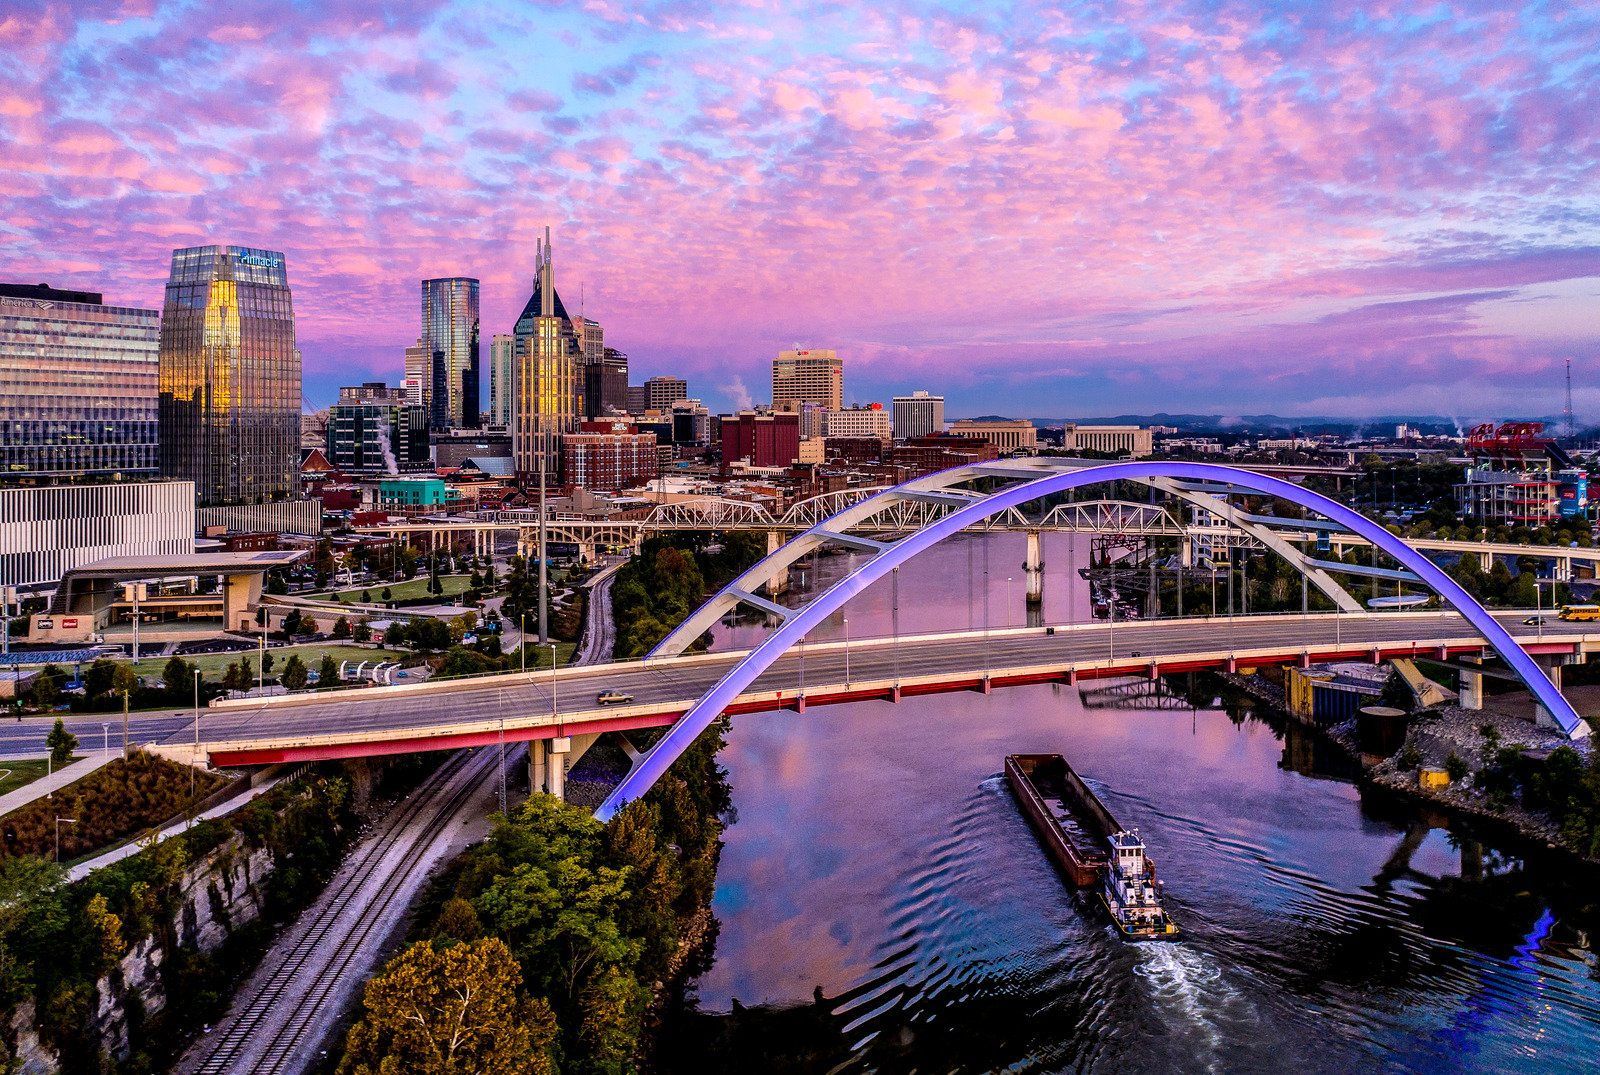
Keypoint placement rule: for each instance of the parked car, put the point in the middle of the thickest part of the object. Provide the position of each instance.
(613, 698)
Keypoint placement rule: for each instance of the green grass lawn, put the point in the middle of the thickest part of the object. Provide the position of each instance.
(16, 774)
(539, 656)
(410, 590)
(213, 665)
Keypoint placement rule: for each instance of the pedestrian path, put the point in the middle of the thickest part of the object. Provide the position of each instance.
(81, 870)
(57, 780)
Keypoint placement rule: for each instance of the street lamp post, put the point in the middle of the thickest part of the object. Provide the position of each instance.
(846, 652)
(60, 821)
(554, 710)
(105, 738)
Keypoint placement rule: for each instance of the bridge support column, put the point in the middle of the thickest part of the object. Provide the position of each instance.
(586, 553)
(1471, 692)
(1034, 566)
(779, 582)
(362, 780)
(1552, 668)
(557, 752)
(538, 765)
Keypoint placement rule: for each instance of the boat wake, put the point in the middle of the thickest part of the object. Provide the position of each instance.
(1186, 983)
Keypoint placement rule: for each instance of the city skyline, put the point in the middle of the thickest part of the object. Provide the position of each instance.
(1097, 213)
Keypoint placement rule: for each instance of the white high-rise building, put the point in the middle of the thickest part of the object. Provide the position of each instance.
(502, 369)
(918, 415)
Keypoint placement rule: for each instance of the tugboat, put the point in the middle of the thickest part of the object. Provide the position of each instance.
(1132, 894)
(1088, 845)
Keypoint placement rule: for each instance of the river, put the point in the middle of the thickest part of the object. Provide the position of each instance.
(884, 907)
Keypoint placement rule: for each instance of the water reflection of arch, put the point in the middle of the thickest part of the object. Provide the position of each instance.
(1030, 480)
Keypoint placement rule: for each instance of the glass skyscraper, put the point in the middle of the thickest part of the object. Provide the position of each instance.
(450, 330)
(77, 387)
(230, 376)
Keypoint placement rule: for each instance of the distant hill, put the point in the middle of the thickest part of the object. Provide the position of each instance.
(1275, 423)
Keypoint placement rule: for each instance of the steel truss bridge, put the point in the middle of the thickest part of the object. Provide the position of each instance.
(557, 711)
(896, 516)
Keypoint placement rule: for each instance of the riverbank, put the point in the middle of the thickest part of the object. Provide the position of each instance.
(1496, 759)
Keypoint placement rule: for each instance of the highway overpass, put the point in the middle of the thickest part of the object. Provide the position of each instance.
(441, 715)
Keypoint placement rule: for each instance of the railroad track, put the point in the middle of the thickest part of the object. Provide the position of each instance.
(399, 833)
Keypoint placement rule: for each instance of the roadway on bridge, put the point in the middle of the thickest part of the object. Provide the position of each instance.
(663, 688)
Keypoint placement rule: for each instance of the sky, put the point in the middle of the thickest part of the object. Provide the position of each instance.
(1319, 208)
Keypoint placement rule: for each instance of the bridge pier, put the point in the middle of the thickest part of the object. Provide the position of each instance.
(1034, 566)
(778, 582)
(1552, 668)
(547, 765)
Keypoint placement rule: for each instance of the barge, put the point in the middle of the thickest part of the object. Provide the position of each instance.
(1089, 847)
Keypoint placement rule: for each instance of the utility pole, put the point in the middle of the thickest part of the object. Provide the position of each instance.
(544, 581)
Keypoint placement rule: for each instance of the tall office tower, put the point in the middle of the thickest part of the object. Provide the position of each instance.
(813, 376)
(637, 398)
(591, 344)
(418, 384)
(605, 385)
(230, 376)
(918, 415)
(547, 397)
(502, 374)
(661, 393)
(450, 333)
(78, 383)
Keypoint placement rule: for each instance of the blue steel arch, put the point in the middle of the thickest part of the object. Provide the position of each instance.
(794, 628)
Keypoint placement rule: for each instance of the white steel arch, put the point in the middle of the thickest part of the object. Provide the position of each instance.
(1031, 479)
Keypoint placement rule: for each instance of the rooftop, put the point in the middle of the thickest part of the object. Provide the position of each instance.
(197, 563)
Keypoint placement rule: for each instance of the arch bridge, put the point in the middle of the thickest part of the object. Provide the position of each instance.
(970, 497)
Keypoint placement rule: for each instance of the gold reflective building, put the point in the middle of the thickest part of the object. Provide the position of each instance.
(230, 376)
(547, 389)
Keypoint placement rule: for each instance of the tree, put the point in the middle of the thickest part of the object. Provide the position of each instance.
(97, 679)
(61, 743)
(450, 1011)
(294, 674)
(362, 632)
(47, 687)
(105, 932)
(341, 629)
(124, 680)
(388, 594)
(177, 676)
(268, 659)
(328, 672)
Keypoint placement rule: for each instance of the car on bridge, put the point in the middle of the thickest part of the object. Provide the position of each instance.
(613, 698)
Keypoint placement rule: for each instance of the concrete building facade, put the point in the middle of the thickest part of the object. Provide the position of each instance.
(1006, 434)
(918, 415)
(1133, 441)
(859, 421)
(809, 376)
(47, 531)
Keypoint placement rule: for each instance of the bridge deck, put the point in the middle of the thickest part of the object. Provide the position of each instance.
(444, 715)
